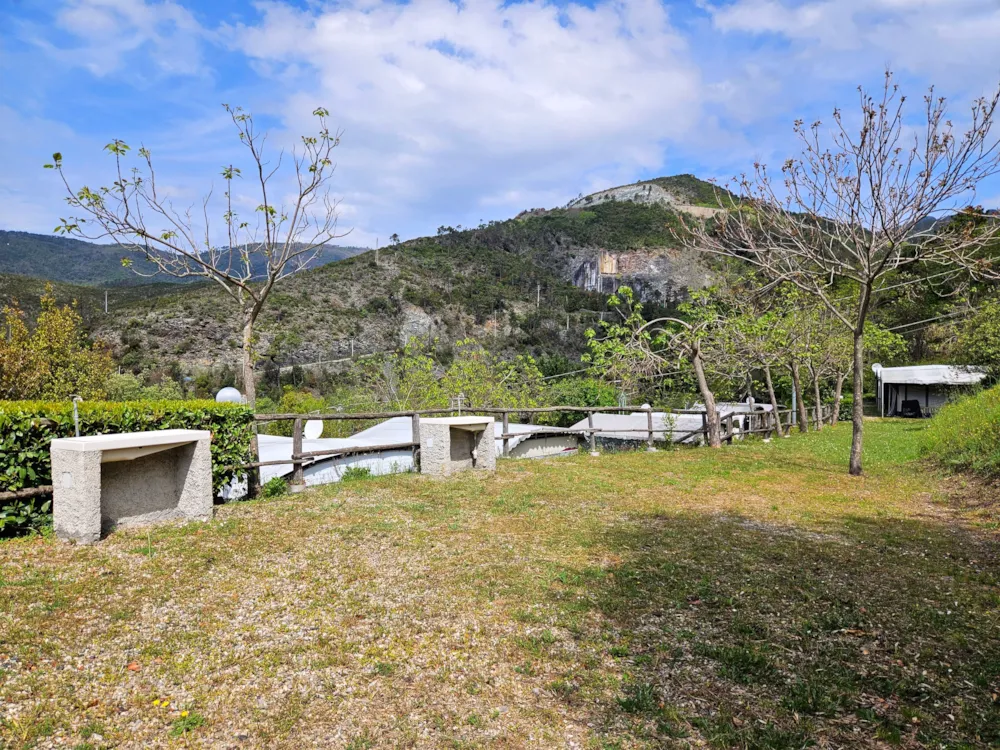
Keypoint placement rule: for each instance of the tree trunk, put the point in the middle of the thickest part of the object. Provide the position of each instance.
(774, 399)
(857, 416)
(249, 382)
(816, 395)
(838, 393)
(797, 385)
(714, 438)
(250, 393)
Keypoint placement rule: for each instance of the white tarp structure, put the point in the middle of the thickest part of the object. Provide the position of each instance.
(667, 426)
(929, 386)
(327, 469)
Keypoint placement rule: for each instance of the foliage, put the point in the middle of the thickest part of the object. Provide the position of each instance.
(274, 487)
(128, 387)
(965, 434)
(54, 360)
(27, 428)
(292, 401)
(979, 338)
(487, 379)
(577, 391)
(356, 473)
(412, 378)
(620, 355)
(23, 515)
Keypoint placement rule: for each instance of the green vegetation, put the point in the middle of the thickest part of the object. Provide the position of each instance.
(689, 189)
(965, 434)
(75, 261)
(274, 487)
(53, 360)
(753, 597)
(28, 427)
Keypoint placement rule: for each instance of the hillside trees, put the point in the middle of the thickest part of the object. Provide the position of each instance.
(632, 349)
(859, 207)
(281, 238)
(52, 361)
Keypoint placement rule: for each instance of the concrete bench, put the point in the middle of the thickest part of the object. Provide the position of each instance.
(450, 444)
(129, 479)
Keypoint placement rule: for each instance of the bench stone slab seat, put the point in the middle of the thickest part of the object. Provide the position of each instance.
(451, 444)
(102, 482)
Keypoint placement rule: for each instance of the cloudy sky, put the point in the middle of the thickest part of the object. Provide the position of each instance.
(456, 112)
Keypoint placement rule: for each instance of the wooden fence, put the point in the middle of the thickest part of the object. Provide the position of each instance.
(731, 425)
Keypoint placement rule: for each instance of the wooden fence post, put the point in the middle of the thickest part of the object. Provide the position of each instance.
(729, 430)
(593, 435)
(416, 439)
(253, 475)
(298, 479)
(506, 440)
(649, 430)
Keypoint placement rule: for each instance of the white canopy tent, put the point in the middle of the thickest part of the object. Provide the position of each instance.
(929, 385)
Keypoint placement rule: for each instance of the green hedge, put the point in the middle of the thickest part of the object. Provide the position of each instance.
(27, 427)
(965, 434)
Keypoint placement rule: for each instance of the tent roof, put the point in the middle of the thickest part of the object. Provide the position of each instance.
(931, 375)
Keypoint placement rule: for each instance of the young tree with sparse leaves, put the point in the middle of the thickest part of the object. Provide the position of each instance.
(282, 238)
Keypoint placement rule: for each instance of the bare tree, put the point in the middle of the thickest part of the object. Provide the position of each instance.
(859, 210)
(282, 239)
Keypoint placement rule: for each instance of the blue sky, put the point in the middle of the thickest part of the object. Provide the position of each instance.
(454, 113)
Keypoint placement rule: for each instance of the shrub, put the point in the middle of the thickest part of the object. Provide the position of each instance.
(27, 428)
(965, 434)
(274, 487)
(845, 413)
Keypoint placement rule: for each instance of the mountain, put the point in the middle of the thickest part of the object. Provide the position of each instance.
(533, 283)
(77, 262)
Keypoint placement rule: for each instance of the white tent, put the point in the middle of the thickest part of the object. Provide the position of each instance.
(928, 385)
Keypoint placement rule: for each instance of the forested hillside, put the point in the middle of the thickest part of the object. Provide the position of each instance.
(74, 261)
(531, 284)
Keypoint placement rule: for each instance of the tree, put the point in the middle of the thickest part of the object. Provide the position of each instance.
(754, 332)
(861, 209)
(54, 360)
(633, 349)
(137, 213)
(978, 340)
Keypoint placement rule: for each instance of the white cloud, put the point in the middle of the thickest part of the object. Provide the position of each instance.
(944, 39)
(113, 33)
(460, 111)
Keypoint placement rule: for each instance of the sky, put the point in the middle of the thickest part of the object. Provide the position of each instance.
(453, 113)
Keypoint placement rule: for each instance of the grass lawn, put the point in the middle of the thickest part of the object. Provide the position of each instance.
(753, 597)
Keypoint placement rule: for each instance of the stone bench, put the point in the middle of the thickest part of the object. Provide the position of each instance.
(129, 479)
(450, 444)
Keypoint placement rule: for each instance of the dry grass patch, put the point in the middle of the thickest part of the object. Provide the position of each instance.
(755, 597)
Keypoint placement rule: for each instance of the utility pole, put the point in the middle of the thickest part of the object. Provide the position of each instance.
(105, 301)
(538, 296)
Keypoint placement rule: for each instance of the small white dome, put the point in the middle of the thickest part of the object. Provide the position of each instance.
(229, 396)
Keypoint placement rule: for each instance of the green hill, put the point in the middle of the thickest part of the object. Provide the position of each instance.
(78, 262)
(525, 284)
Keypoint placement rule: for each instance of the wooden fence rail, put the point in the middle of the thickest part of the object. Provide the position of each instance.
(731, 425)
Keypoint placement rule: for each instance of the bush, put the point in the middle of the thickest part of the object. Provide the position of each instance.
(846, 411)
(274, 487)
(965, 434)
(27, 428)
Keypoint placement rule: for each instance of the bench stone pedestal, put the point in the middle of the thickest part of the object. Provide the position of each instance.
(451, 444)
(129, 479)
